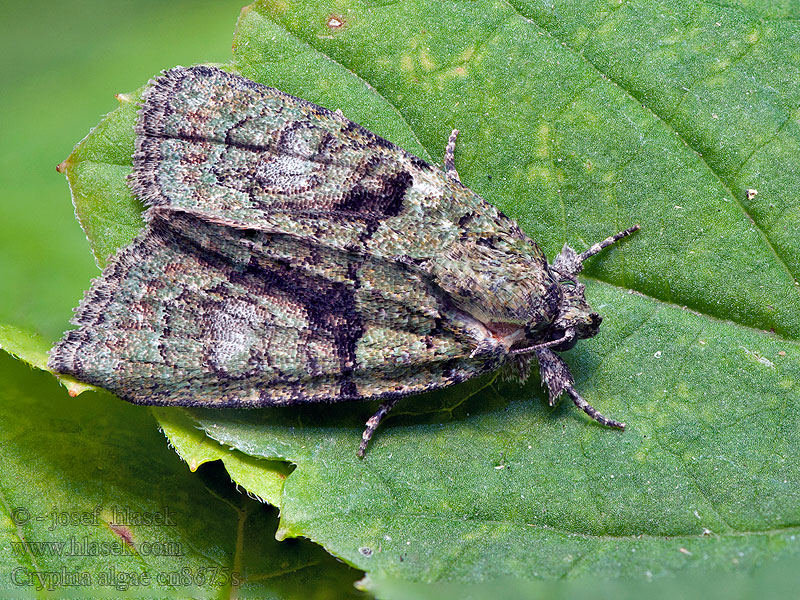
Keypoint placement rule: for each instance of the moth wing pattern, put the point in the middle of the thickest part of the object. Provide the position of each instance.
(216, 142)
(194, 313)
(251, 155)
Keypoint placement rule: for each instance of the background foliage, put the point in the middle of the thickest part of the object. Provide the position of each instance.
(577, 119)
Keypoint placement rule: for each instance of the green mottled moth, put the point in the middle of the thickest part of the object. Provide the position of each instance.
(292, 256)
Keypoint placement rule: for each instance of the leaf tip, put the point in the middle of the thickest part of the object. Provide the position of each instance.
(74, 387)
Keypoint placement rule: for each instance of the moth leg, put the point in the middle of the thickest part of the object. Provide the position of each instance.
(450, 157)
(595, 248)
(555, 374)
(557, 378)
(373, 422)
(591, 410)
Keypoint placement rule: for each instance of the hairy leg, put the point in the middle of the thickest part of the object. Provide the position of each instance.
(557, 378)
(450, 157)
(373, 422)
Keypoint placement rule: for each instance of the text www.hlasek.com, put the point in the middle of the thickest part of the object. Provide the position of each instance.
(74, 546)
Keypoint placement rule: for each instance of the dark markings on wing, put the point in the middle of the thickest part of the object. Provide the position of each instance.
(185, 315)
(218, 143)
(258, 140)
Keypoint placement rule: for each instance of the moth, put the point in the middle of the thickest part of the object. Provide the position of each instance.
(292, 256)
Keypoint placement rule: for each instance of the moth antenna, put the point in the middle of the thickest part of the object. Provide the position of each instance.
(595, 248)
(373, 422)
(591, 410)
(568, 335)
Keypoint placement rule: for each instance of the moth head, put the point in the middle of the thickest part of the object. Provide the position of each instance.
(576, 320)
(575, 316)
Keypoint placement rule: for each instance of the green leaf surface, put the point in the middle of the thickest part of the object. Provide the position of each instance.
(32, 348)
(27, 346)
(772, 580)
(264, 478)
(92, 501)
(578, 119)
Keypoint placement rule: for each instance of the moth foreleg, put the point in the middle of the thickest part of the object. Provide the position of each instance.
(569, 263)
(557, 378)
(450, 157)
(555, 374)
(373, 422)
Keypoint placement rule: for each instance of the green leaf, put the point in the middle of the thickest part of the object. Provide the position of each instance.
(92, 500)
(773, 580)
(578, 119)
(32, 348)
(264, 478)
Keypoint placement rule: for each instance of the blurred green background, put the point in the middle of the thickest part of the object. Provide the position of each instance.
(61, 64)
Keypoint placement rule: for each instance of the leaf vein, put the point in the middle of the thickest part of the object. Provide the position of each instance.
(696, 312)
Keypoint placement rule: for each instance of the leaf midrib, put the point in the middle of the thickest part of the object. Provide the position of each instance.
(713, 318)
